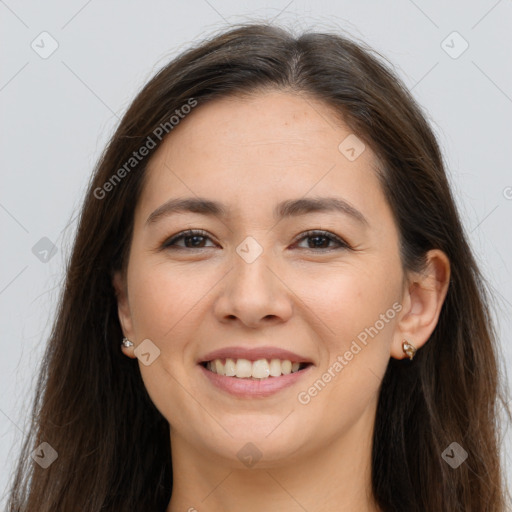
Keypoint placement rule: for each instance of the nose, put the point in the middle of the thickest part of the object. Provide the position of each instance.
(254, 294)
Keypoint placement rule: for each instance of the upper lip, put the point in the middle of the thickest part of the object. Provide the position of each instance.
(253, 354)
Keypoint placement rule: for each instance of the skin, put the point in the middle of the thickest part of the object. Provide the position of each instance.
(252, 153)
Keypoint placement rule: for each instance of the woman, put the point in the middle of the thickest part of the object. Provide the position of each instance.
(271, 303)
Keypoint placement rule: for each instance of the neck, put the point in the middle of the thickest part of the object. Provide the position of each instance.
(336, 476)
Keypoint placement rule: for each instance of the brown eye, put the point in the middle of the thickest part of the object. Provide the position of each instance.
(193, 239)
(321, 240)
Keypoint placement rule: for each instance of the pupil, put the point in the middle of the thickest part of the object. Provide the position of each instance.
(318, 238)
(194, 237)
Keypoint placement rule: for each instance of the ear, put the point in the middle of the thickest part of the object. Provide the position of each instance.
(423, 298)
(123, 311)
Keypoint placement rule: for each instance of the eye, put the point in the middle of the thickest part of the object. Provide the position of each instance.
(319, 239)
(196, 238)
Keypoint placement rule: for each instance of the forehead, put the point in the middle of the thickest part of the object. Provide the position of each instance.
(264, 148)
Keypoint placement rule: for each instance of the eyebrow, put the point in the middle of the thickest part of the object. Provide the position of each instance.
(289, 208)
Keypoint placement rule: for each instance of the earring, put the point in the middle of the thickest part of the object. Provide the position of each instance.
(409, 349)
(127, 342)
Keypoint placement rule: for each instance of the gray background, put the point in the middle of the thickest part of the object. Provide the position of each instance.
(58, 112)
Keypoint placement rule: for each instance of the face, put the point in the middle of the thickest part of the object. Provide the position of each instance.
(319, 287)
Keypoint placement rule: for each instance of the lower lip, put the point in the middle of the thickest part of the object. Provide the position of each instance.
(254, 388)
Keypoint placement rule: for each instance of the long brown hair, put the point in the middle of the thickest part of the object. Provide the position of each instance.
(91, 405)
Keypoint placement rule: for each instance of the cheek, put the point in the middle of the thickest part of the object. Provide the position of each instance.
(350, 297)
(150, 297)
(358, 308)
(358, 314)
(162, 297)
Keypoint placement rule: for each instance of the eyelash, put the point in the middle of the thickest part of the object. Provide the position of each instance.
(168, 244)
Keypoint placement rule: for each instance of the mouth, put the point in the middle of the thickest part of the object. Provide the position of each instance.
(259, 369)
(256, 372)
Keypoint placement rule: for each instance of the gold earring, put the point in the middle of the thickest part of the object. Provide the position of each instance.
(408, 349)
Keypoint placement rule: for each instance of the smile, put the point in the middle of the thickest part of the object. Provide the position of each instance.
(244, 385)
(259, 369)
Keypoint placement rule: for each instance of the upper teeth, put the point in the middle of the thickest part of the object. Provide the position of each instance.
(260, 369)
